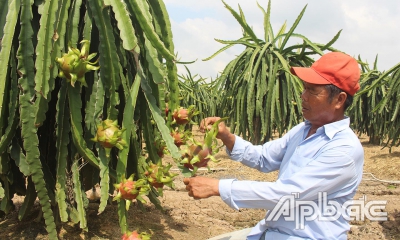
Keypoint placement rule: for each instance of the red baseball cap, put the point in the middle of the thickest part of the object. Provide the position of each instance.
(334, 68)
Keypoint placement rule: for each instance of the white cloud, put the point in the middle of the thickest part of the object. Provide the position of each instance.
(368, 28)
(193, 4)
(374, 30)
(194, 39)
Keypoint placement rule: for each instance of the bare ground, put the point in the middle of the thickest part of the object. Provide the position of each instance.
(185, 218)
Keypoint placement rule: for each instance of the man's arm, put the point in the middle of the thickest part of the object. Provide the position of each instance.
(333, 172)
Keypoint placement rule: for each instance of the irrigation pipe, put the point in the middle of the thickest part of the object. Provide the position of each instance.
(203, 169)
(379, 180)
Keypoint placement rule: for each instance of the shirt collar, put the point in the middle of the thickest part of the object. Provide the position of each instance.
(331, 129)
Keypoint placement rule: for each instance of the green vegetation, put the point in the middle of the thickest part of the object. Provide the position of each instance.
(89, 94)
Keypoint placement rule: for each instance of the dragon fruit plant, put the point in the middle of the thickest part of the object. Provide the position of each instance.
(74, 64)
(129, 190)
(159, 175)
(109, 135)
(136, 236)
(47, 113)
(198, 154)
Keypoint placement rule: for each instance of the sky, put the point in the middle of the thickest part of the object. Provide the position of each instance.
(370, 28)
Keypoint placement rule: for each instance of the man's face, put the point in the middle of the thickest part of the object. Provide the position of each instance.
(316, 105)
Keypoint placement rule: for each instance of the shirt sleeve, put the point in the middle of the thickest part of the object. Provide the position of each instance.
(265, 158)
(332, 171)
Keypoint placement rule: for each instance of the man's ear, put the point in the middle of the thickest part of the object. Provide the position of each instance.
(341, 99)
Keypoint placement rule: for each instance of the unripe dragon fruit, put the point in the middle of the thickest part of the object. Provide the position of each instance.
(159, 175)
(74, 64)
(136, 236)
(109, 135)
(129, 189)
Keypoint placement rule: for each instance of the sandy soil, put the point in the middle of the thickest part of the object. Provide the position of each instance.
(185, 218)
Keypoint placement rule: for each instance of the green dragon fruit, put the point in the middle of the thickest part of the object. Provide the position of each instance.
(74, 64)
(109, 135)
(159, 175)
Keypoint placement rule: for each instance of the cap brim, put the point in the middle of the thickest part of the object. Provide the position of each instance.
(309, 75)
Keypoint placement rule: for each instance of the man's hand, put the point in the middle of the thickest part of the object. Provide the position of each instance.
(201, 187)
(223, 132)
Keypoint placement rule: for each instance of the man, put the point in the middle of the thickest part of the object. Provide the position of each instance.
(319, 158)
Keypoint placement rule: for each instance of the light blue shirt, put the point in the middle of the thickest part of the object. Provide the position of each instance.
(330, 161)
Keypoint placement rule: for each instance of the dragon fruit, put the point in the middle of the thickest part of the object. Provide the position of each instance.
(109, 135)
(129, 189)
(159, 175)
(74, 64)
(198, 154)
(184, 116)
(136, 236)
(179, 138)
